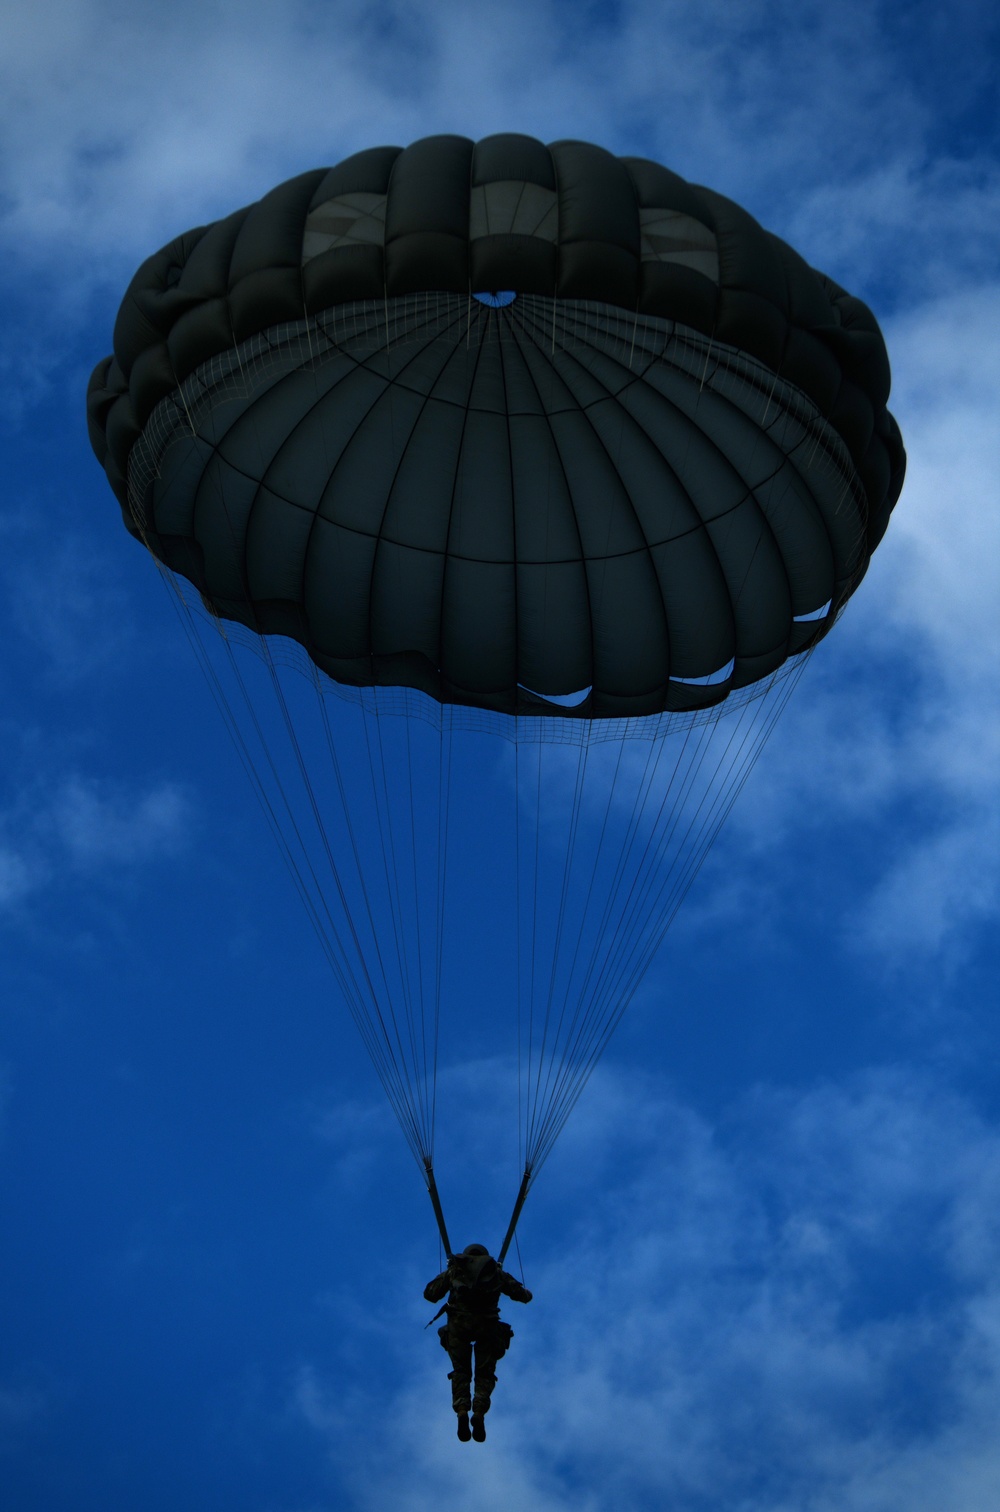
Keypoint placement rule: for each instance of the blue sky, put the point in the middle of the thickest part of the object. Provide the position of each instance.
(765, 1253)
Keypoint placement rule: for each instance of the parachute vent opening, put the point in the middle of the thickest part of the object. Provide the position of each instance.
(497, 300)
(814, 614)
(711, 679)
(561, 700)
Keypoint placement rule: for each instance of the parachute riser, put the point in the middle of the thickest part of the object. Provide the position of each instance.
(515, 1215)
(432, 1192)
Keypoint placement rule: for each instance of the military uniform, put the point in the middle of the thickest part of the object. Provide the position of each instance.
(473, 1284)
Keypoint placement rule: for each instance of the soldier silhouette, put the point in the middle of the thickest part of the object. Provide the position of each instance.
(474, 1283)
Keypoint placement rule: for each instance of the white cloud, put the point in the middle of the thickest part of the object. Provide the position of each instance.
(796, 1309)
(935, 889)
(84, 828)
(64, 602)
(22, 1407)
(124, 126)
(99, 825)
(892, 743)
(17, 876)
(907, 225)
(946, 364)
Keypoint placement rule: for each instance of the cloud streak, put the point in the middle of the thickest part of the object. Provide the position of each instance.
(116, 122)
(82, 828)
(897, 717)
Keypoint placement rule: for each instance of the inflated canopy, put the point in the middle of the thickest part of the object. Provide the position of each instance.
(531, 428)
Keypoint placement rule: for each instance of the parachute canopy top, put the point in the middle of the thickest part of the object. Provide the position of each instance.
(535, 429)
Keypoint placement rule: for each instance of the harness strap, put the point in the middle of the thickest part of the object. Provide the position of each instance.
(432, 1192)
(515, 1215)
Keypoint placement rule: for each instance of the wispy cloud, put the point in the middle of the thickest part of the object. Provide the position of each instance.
(119, 125)
(21, 1408)
(935, 891)
(97, 824)
(898, 716)
(883, 227)
(85, 828)
(62, 602)
(17, 875)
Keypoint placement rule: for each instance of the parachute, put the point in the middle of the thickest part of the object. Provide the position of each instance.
(531, 475)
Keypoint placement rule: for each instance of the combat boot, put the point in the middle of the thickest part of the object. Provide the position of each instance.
(463, 1427)
(478, 1428)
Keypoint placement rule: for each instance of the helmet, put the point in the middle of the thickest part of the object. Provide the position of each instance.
(478, 1266)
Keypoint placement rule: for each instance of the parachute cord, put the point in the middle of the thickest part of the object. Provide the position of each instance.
(584, 1004)
(542, 1086)
(534, 938)
(356, 850)
(421, 994)
(668, 804)
(520, 1262)
(613, 1021)
(639, 910)
(658, 840)
(408, 1093)
(313, 804)
(518, 931)
(444, 815)
(311, 899)
(355, 997)
(380, 799)
(397, 874)
(603, 1027)
(600, 1020)
(399, 1074)
(349, 824)
(599, 934)
(722, 805)
(426, 1141)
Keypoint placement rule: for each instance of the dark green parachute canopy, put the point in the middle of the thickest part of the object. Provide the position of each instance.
(535, 429)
